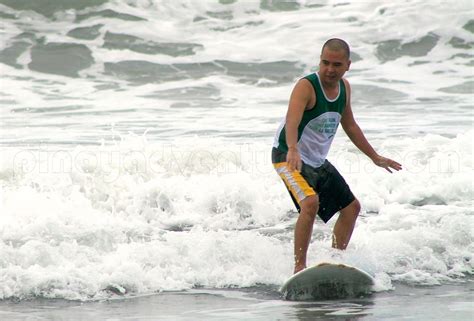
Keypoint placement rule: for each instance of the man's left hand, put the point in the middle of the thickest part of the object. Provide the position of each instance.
(387, 163)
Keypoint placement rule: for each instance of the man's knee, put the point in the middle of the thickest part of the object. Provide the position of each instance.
(310, 205)
(357, 206)
(353, 209)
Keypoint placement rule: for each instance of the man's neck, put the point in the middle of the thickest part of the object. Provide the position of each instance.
(329, 86)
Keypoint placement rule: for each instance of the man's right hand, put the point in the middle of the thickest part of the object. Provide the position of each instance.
(293, 159)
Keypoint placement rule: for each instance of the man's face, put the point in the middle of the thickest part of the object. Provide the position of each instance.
(333, 66)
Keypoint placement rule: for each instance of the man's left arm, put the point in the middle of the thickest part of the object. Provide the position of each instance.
(356, 135)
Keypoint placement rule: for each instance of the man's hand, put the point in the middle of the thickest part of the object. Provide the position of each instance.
(387, 163)
(293, 159)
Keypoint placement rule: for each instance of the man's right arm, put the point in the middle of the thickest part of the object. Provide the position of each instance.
(299, 99)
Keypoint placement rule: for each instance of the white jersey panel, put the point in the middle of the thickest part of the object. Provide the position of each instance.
(276, 143)
(317, 137)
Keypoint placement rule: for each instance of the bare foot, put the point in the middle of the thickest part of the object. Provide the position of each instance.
(299, 268)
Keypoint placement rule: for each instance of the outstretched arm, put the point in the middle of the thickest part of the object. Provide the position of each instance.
(356, 135)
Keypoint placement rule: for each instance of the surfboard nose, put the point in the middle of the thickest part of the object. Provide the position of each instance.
(327, 281)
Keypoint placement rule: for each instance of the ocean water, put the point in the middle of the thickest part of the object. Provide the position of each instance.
(135, 143)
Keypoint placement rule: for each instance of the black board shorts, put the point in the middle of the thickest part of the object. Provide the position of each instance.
(325, 181)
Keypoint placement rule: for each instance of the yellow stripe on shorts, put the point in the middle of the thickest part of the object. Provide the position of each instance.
(296, 183)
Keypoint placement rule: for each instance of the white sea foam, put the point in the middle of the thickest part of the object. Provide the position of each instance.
(111, 183)
(215, 217)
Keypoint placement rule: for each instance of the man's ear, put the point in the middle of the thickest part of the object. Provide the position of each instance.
(348, 65)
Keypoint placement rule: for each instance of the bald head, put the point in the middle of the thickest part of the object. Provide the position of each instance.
(336, 44)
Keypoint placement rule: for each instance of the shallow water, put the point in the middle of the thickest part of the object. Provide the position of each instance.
(135, 143)
(257, 303)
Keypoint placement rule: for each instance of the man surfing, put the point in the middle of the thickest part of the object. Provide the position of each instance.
(318, 103)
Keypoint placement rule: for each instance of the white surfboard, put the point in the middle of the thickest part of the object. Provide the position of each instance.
(327, 281)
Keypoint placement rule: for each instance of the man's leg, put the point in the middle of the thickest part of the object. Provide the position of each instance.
(303, 229)
(345, 225)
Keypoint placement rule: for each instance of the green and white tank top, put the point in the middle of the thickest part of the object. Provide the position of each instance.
(318, 125)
